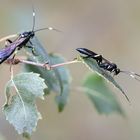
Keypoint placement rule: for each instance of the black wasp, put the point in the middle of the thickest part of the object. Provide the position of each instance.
(23, 40)
(106, 64)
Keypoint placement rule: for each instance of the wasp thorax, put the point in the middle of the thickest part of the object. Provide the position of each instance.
(27, 34)
(114, 65)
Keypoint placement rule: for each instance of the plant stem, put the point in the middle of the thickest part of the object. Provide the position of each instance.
(65, 63)
(44, 65)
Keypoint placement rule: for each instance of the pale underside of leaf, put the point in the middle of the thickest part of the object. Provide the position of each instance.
(21, 110)
(93, 66)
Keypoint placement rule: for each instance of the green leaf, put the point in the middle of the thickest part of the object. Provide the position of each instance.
(41, 53)
(58, 79)
(100, 95)
(63, 77)
(41, 57)
(93, 66)
(20, 109)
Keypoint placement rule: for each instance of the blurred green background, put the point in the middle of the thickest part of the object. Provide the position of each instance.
(111, 28)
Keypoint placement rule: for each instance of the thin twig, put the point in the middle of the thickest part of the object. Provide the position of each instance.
(43, 65)
(65, 63)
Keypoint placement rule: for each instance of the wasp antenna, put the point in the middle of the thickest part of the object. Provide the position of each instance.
(47, 28)
(137, 74)
(33, 17)
(132, 75)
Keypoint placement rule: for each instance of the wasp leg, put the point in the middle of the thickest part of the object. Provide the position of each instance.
(7, 42)
(16, 51)
(31, 46)
(12, 62)
(33, 50)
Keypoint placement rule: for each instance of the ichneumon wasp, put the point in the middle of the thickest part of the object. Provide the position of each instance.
(106, 64)
(23, 40)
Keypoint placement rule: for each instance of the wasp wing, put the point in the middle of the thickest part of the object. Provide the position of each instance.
(7, 52)
(86, 52)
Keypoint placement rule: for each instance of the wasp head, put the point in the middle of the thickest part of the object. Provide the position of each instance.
(29, 34)
(117, 71)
